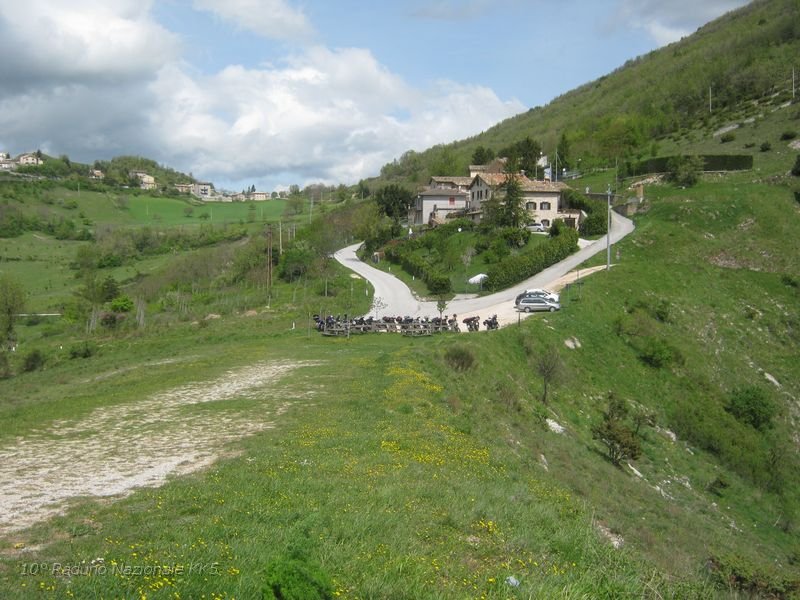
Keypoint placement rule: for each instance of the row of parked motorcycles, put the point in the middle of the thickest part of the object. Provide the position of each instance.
(363, 324)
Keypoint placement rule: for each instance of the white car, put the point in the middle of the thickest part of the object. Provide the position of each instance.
(536, 303)
(552, 296)
(535, 227)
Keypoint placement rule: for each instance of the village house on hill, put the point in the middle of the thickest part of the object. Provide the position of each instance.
(542, 200)
(443, 196)
(451, 196)
(146, 182)
(26, 160)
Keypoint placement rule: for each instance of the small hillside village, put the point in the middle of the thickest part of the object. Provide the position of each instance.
(201, 190)
(448, 197)
(445, 197)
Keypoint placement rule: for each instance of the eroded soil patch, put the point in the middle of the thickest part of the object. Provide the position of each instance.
(116, 449)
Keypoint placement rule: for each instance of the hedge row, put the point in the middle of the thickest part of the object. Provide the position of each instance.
(711, 162)
(437, 282)
(518, 267)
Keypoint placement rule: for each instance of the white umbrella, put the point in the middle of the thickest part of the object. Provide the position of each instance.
(479, 278)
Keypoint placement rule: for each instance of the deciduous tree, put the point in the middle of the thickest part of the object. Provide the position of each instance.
(619, 438)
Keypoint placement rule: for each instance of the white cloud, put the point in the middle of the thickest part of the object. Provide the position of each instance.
(269, 18)
(324, 115)
(104, 79)
(80, 41)
(668, 22)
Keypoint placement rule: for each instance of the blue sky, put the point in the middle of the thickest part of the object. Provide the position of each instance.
(276, 92)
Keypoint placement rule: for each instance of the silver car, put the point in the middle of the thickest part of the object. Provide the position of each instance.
(552, 296)
(537, 303)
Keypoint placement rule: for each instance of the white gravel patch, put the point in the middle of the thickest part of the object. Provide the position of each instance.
(119, 448)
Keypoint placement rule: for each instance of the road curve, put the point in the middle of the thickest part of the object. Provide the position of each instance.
(393, 297)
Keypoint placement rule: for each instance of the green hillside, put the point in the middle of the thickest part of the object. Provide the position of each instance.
(744, 59)
(664, 461)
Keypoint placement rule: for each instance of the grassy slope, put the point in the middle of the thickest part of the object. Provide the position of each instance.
(403, 478)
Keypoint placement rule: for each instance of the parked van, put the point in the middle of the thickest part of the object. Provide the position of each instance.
(536, 303)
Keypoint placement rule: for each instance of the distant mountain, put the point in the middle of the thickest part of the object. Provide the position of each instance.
(745, 55)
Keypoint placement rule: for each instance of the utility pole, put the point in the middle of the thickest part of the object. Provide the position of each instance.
(608, 231)
(269, 262)
(709, 99)
(280, 238)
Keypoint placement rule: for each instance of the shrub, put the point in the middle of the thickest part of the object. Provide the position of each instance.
(752, 405)
(788, 135)
(594, 224)
(727, 137)
(658, 353)
(82, 350)
(110, 320)
(765, 147)
(33, 361)
(620, 440)
(796, 167)
(685, 170)
(734, 573)
(515, 268)
(5, 366)
(717, 486)
(292, 579)
(460, 357)
(122, 304)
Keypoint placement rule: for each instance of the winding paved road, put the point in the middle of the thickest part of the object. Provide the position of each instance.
(395, 297)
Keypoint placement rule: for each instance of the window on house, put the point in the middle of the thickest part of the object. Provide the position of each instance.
(530, 206)
(544, 206)
(546, 222)
(452, 201)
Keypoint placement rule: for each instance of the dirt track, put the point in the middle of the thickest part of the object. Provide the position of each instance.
(138, 444)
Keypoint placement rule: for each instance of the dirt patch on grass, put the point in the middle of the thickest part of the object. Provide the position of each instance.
(117, 449)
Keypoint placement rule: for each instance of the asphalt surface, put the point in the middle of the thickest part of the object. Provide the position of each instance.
(393, 297)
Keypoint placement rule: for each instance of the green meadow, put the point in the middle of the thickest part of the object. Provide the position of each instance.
(395, 467)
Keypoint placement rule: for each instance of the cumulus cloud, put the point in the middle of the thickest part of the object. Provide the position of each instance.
(329, 115)
(269, 18)
(668, 22)
(104, 79)
(79, 42)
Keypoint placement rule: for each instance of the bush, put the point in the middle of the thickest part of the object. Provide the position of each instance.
(460, 357)
(620, 440)
(796, 167)
(110, 320)
(5, 366)
(766, 147)
(734, 573)
(82, 350)
(514, 269)
(33, 361)
(658, 353)
(727, 137)
(788, 135)
(685, 170)
(752, 405)
(292, 579)
(594, 224)
(122, 304)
